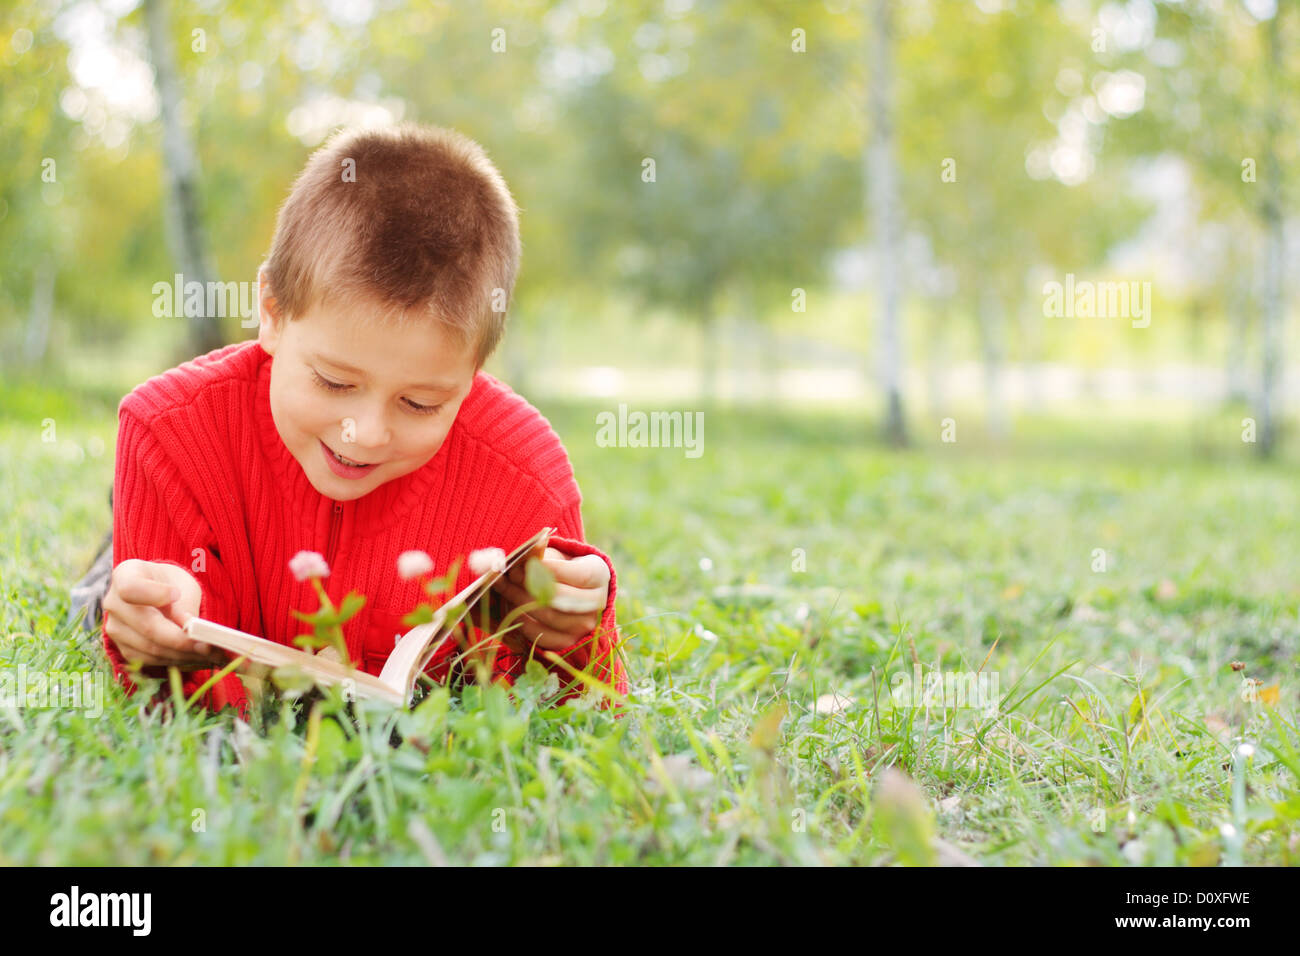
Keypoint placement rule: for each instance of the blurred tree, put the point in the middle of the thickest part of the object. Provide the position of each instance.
(189, 240)
(1270, 210)
(983, 96)
(706, 170)
(1217, 81)
(38, 174)
(756, 118)
(886, 214)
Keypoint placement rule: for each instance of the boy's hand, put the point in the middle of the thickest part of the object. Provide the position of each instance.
(147, 604)
(581, 591)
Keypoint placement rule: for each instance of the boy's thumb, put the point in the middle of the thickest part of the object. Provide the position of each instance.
(178, 616)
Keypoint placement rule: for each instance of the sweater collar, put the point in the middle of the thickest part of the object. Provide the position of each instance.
(379, 508)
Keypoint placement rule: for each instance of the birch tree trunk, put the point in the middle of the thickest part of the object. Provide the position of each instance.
(185, 232)
(37, 338)
(881, 171)
(936, 358)
(990, 311)
(710, 360)
(1240, 300)
(1271, 298)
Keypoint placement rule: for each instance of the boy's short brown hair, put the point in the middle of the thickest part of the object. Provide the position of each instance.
(408, 219)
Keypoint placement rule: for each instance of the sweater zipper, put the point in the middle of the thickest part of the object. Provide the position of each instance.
(336, 518)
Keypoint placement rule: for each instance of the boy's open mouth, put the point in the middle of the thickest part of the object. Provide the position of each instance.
(344, 467)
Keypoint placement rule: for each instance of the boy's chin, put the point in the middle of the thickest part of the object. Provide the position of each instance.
(344, 489)
(331, 485)
(341, 491)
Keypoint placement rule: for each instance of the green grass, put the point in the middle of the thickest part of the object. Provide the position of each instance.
(1117, 706)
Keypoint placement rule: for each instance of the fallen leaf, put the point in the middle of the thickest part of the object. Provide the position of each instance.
(903, 820)
(1217, 727)
(1086, 612)
(682, 772)
(767, 729)
(832, 704)
(949, 855)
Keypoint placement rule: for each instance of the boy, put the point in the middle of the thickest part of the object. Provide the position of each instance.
(360, 425)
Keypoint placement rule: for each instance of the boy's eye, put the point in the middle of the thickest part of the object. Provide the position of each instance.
(422, 409)
(326, 383)
(419, 409)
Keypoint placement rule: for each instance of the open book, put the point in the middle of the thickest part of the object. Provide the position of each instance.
(396, 682)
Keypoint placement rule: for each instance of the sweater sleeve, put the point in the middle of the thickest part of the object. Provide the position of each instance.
(599, 652)
(156, 518)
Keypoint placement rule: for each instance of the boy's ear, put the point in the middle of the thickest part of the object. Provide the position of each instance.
(269, 319)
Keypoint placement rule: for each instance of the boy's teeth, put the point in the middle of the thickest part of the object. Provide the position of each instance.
(347, 461)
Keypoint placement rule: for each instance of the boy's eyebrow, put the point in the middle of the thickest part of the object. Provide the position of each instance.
(345, 367)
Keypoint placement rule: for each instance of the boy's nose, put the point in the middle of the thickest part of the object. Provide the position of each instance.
(367, 432)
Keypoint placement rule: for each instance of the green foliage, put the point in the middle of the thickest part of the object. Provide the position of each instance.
(773, 594)
(539, 581)
(763, 723)
(327, 621)
(758, 149)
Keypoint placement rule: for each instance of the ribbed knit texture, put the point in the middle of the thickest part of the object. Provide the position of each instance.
(203, 481)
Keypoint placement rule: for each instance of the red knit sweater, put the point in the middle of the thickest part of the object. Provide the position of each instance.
(203, 481)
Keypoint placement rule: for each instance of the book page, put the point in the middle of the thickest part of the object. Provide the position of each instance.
(396, 681)
(261, 651)
(418, 646)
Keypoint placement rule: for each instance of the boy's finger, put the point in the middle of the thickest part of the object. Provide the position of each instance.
(514, 594)
(577, 602)
(146, 592)
(176, 615)
(568, 601)
(580, 600)
(588, 571)
(555, 621)
(534, 633)
(137, 646)
(175, 641)
(197, 650)
(520, 597)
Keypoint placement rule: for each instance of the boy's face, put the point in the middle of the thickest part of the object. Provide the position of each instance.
(399, 390)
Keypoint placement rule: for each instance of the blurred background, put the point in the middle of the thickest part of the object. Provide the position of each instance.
(852, 206)
(988, 309)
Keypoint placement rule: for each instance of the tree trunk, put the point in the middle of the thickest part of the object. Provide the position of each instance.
(936, 356)
(1239, 305)
(766, 346)
(989, 309)
(881, 173)
(710, 346)
(37, 339)
(1271, 296)
(187, 239)
(1031, 334)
